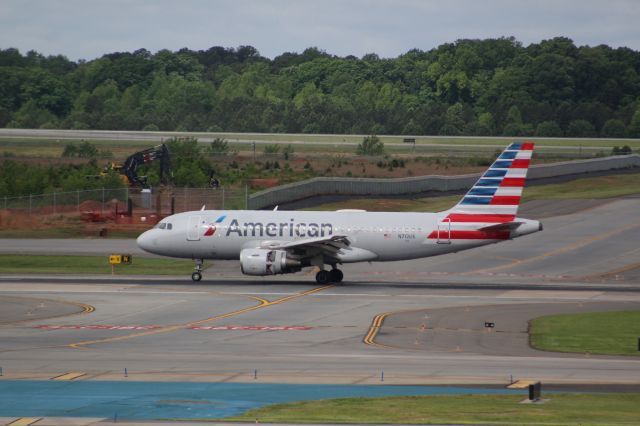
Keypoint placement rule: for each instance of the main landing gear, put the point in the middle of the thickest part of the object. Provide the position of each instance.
(335, 275)
(197, 275)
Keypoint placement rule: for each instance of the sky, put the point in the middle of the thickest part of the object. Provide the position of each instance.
(87, 29)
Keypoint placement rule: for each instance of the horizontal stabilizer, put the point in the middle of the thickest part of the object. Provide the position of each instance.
(506, 226)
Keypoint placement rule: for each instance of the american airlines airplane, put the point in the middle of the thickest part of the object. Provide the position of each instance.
(283, 242)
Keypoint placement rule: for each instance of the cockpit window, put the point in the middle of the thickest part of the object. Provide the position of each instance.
(164, 225)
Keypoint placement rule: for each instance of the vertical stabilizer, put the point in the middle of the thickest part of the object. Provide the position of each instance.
(495, 197)
(488, 210)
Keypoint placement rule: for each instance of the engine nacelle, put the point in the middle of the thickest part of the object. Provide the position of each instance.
(267, 262)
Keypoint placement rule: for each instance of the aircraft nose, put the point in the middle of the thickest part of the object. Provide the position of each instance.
(145, 241)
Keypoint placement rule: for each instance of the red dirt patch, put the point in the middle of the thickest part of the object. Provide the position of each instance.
(263, 183)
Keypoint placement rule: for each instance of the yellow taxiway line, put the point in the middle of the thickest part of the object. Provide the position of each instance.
(521, 384)
(376, 324)
(69, 376)
(24, 421)
(262, 303)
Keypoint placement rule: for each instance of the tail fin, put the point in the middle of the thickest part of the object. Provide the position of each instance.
(495, 197)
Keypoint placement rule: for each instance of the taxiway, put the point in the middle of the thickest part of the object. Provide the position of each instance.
(289, 330)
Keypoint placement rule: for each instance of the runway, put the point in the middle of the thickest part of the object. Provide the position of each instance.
(231, 328)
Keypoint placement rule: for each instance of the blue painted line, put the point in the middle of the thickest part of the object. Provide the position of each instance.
(186, 400)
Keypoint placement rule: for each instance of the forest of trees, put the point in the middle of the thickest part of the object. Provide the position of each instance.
(470, 87)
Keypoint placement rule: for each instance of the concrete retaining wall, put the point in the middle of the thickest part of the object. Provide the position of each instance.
(413, 185)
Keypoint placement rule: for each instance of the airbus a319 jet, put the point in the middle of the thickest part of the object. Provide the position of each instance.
(283, 242)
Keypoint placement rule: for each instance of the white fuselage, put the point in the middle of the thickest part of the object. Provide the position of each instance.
(373, 236)
(282, 242)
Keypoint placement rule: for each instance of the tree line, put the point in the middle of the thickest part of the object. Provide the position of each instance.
(470, 87)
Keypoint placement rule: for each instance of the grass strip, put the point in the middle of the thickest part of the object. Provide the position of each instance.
(588, 188)
(334, 139)
(607, 333)
(45, 264)
(584, 409)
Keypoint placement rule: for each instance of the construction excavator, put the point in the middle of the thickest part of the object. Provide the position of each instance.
(128, 169)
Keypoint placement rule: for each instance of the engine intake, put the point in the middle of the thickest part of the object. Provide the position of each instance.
(267, 262)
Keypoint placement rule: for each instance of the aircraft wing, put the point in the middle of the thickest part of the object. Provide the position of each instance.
(330, 245)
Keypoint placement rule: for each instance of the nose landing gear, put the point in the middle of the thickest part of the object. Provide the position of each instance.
(197, 275)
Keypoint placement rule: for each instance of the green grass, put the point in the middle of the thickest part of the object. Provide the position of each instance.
(45, 147)
(607, 333)
(43, 264)
(596, 187)
(587, 188)
(574, 409)
(52, 148)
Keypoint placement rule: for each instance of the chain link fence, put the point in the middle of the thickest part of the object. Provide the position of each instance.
(126, 201)
(65, 202)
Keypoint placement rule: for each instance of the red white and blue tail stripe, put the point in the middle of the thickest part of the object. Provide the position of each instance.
(496, 195)
(489, 209)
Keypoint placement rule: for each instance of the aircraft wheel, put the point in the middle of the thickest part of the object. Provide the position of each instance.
(196, 276)
(323, 277)
(336, 276)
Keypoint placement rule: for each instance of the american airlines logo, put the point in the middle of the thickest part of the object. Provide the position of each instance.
(282, 229)
(212, 228)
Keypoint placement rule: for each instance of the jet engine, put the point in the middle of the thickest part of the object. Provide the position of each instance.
(267, 262)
